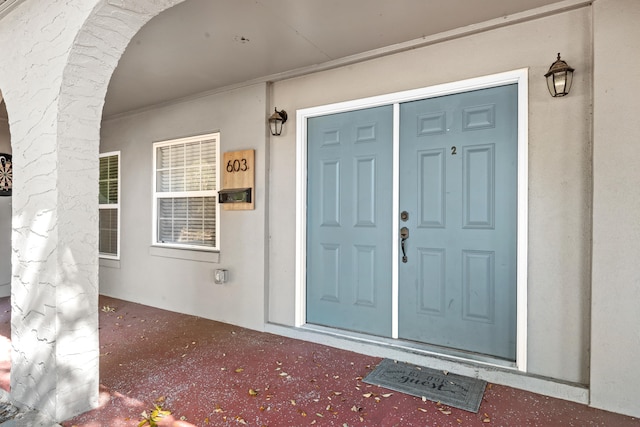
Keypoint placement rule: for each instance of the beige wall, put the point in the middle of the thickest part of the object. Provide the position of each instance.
(157, 277)
(559, 169)
(615, 350)
(562, 226)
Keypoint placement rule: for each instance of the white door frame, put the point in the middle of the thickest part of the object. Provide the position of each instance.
(519, 77)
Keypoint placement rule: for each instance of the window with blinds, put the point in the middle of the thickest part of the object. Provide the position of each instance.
(185, 192)
(109, 206)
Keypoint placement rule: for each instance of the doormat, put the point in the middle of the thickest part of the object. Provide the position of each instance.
(438, 386)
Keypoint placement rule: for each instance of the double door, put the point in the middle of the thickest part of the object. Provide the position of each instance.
(416, 242)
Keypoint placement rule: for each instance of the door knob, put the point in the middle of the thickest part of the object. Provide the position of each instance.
(404, 235)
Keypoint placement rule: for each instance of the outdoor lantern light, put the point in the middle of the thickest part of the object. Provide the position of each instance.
(276, 120)
(559, 78)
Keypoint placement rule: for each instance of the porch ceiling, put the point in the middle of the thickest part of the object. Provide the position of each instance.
(204, 45)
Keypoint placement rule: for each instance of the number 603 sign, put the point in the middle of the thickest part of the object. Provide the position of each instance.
(237, 165)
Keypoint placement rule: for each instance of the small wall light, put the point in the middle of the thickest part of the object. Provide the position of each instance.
(559, 78)
(276, 120)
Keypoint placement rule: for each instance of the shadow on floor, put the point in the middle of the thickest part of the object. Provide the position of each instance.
(213, 374)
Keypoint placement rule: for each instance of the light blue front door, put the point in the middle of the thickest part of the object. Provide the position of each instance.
(458, 185)
(349, 248)
(457, 201)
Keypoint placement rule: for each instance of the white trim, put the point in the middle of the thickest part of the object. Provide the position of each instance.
(522, 221)
(519, 77)
(301, 220)
(395, 221)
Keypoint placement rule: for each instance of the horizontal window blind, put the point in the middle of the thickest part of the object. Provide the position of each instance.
(109, 179)
(108, 231)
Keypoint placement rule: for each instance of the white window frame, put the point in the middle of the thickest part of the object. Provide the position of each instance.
(203, 193)
(112, 206)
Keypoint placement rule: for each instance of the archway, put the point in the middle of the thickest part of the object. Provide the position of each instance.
(55, 356)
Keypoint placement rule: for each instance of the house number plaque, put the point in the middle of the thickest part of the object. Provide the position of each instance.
(238, 173)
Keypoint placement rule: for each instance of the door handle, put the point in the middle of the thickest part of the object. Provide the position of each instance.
(404, 235)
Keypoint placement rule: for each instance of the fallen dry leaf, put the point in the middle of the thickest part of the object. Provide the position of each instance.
(252, 392)
(238, 370)
(367, 395)
(422, 410)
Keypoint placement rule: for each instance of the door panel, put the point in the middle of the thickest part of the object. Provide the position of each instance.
(458, 174)
(432, 190)
(349, 220)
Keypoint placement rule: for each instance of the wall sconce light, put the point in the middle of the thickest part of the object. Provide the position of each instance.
(559, 78)
(276, 120)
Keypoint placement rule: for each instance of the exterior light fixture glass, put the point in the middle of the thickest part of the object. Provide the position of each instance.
(559, 78)
(276, 120)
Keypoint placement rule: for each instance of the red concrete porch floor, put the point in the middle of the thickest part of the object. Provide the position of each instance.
(213, 374)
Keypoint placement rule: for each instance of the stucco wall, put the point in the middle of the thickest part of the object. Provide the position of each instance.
(187, 286)
(615, 372)
(559, 169)
(559, 186)
(5, 219)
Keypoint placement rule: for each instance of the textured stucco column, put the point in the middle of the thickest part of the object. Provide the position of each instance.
(58, 58)
(54, 284)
